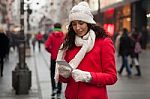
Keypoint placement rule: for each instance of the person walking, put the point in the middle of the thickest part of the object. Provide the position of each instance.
(124, 51)
(136, 50)
(33, 42)
(91, 55)
(39, 38)
(4, 49)
(52, 45)
(117, 41)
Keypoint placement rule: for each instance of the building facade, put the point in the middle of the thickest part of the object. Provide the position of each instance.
(117, 14)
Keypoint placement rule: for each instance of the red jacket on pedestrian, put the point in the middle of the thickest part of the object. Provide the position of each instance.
(39, 36)
(102, 69)
(53, 43)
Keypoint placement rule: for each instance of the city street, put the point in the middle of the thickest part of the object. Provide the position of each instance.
(22, 20)
(38, 63)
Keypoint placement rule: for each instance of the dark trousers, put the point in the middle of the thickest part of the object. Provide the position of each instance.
(125, 65)
(39, 45)
(137, 65)
(57, 86)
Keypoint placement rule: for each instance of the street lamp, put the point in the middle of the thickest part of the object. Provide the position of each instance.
(21, 76)
(28, 35)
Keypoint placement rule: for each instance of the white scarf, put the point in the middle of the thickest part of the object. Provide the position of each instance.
(87, 43)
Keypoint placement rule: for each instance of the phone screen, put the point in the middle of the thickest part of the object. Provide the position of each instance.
(63, 62)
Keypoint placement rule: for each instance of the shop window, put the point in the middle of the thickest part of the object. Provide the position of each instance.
(123, 17)
(109, 28)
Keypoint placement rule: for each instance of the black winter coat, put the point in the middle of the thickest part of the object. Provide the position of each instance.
(126, 46)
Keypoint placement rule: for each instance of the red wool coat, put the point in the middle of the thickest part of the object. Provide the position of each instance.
(100, 62)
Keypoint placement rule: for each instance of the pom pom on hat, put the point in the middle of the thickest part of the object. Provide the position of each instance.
(81, 12)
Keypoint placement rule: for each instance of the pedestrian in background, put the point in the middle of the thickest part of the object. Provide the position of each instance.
(117, 41)
(52, 45)
(39, 38)
(136, 50)
(124, 51)
(90, 53)
(33, 42)
(4, 49)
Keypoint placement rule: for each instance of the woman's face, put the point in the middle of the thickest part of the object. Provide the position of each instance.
(80, 27)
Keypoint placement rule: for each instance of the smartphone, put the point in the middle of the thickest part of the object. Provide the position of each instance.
(63, 62)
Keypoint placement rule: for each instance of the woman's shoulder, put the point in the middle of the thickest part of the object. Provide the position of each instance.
(105, 39)
(105, 43)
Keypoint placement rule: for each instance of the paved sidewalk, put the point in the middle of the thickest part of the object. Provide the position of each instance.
(6, 90)
(42, 60)
(134, 87)
(38, 63)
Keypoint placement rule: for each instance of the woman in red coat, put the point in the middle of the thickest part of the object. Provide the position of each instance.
(90, 53)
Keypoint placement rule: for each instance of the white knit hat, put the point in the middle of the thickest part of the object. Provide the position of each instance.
(81, 12)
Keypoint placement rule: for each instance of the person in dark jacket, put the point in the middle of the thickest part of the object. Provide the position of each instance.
(136, 50)
(124, 51)
(4, 49)
(52, 45)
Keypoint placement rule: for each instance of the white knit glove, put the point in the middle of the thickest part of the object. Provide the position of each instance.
(79, 75)
(64, 71)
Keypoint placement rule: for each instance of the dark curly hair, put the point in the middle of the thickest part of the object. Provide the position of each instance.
(69, 42)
